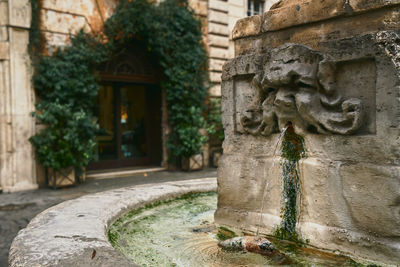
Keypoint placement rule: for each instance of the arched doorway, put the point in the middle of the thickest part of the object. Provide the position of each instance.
(128, 111)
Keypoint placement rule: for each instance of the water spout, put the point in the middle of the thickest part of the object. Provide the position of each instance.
(292, 150)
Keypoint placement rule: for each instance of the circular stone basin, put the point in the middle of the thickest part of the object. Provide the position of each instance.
(181, 232)
(74, 233)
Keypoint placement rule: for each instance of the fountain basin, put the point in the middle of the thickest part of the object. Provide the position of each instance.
(74, 233)
(181, 232)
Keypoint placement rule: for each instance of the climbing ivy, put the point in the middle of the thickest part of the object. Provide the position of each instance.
(66, 83)
(66, 89)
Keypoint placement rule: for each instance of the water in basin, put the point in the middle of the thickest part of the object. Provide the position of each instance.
(181, 233)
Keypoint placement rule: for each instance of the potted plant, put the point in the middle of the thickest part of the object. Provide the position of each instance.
(66, 86)
(65, 146)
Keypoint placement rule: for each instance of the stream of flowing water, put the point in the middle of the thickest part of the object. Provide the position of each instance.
(266, 184)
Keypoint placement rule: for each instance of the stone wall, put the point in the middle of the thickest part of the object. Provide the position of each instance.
(332, 68)
(59, 19)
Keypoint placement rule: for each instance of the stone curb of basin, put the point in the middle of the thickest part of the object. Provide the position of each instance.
(74, 233)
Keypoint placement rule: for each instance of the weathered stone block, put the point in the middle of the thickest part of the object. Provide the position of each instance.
(3, 13)
(75, 6)
(4, 51)
(217, 16)
(218, 29)
(215, 77)
(217, 52)
(3, 34)
(312, 34)
(215, 91)
(63, 22)
(216, 40)
(247, 27)
(94, 12)
(364, 5)
(302, 12)
(55, 40)
(372, 194)
(216, 64)
(218, 5)
(19, 13)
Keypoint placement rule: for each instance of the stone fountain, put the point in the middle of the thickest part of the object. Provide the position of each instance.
(332, 68)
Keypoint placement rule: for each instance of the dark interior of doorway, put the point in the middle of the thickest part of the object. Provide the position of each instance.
(129, 116)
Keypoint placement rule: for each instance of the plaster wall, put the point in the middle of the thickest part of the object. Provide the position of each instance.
(350, 182)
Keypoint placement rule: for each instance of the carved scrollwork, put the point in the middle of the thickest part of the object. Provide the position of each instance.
(298, 84)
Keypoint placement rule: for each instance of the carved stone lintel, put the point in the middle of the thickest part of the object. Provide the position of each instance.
(298, 84)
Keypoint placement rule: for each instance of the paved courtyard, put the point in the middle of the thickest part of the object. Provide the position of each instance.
(17, 209)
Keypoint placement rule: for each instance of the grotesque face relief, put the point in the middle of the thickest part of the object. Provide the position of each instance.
(298, 84)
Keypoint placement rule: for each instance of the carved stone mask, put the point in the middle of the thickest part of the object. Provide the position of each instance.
(298, 84)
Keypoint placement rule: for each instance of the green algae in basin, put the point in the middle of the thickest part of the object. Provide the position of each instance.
(181, 232)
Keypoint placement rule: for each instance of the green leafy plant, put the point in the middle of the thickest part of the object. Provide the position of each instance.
(66, 84)
(66, 87)
(173, 34)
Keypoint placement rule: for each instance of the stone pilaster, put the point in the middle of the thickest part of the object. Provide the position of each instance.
(17, 167)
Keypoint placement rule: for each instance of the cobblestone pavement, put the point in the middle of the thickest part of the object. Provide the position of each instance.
(17, 209)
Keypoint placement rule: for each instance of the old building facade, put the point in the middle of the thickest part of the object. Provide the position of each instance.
(18, 167)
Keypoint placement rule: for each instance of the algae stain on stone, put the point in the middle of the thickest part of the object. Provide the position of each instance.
(224, 233)
(292, 150)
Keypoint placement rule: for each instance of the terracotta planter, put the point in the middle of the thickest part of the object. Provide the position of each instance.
(62, 178)
(195, 162)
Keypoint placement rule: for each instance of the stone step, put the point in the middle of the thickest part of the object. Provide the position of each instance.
(115, 173)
